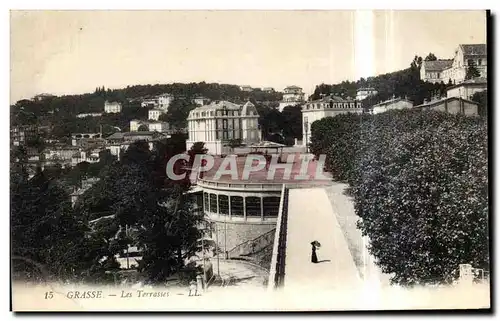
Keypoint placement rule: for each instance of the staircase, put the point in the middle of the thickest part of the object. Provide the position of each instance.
(255, 250)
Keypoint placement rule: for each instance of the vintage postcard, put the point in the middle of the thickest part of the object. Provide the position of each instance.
(314, 160)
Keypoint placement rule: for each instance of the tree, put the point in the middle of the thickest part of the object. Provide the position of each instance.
(233, 143)
(422, 196)
(472, 71)
(47, 239)
(292, 122)
(416, 63)
(430, 57)
(136, 193)
(178, 112)
(481, 98)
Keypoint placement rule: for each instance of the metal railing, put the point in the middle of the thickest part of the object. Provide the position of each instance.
(277, 272)
(240, 186)
(252, 246)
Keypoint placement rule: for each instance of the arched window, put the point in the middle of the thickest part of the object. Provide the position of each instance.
(213, 203)
(252, 205)
(236, 206)
(271, 205)
(223, 204)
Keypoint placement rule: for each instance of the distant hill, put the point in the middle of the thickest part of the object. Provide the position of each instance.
(61, 111)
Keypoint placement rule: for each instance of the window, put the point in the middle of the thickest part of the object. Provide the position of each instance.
(479, 61)
(205, 202)
(211, 113)
(223, 204)
(236, 206)
(213, 203)
(271, 205)
(252, 205)
(331, 104)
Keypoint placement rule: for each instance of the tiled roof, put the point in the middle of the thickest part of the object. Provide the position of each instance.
(474, 49)
(331, 98)
(438, 65)
(390, 101)
(293, 87)
(121, 135)
(478, 80)
(442, 101)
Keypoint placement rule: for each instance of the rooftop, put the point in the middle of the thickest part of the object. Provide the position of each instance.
(391, 101)
(442, 101)
(332, 98)
(474, 49)
(471, 82)
(217, 105)
(123, 135)
(438, 65)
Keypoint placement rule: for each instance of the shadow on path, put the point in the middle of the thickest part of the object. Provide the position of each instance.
(322, 261)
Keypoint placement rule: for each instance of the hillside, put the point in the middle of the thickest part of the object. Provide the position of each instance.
(401, 83)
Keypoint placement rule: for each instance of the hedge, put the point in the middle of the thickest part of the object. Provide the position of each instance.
(420, 184)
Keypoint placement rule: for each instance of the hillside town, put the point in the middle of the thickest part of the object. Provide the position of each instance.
(95, 166)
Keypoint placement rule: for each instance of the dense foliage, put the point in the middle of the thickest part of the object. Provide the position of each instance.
(481, 98)
(402, 83)
(420, 186)
(133, 203)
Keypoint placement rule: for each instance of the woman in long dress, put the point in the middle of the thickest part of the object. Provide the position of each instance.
(314, 257)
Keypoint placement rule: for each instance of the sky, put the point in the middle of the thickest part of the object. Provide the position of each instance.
(72, 52)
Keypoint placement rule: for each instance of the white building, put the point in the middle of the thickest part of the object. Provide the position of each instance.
(433, 71)
(246, 88)
(112, 107)
(82, 156)
(326, 107)
(201, 101)
(119, 142)
(467, 88)
(159, 126)
(362, 93)
(135, 124)
(455, 69)
(88, 115)
(150, 102)
(292, 96)
(392, 104)
(78, 138)
(154, 114)
(164, 101)
(221, 121)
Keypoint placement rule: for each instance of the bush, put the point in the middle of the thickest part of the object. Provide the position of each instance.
(419, 181)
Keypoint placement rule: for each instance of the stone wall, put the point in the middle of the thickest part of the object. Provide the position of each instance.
(232, 234)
